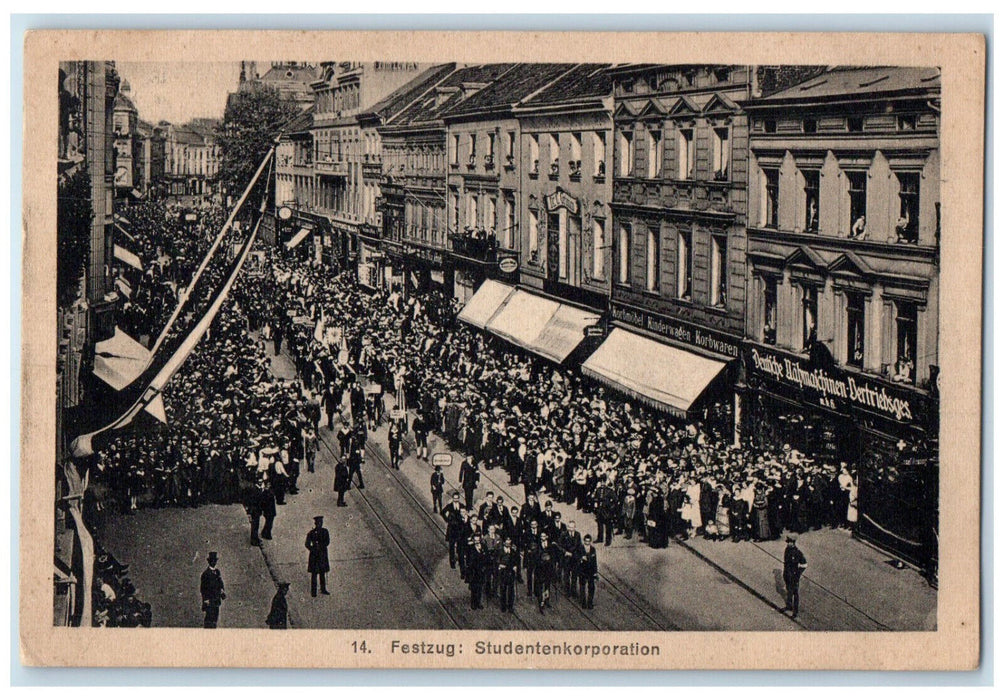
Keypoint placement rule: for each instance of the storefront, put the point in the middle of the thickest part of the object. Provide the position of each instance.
(371, 264)
(715, 404)
(426, 269)
(886, 431)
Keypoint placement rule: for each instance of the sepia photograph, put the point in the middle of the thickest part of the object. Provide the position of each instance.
(505, 346)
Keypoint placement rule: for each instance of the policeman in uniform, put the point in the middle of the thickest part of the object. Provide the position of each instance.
(213, 594)
(317, 543)
(794, 566)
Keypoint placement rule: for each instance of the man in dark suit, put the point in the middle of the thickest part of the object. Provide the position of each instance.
(356, 465)
(587, 572)
(794, 566)
(317, 543)
(469, 478)
(436, 482)
(342, 481)
(213, 593)
(453, 513)
(477, 559)
(570, 542)
(508, 565)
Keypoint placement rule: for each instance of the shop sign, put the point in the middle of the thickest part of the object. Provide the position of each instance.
(679, 331)
(560, 198)
(832, 387)
(508, 264)
(593, 331)
(285, 213)
(430, 256)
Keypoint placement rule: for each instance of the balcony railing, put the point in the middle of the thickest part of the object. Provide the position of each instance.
(478, 245)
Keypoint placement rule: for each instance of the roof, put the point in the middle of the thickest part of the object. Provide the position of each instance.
(586, 80)
(851, 82)
(508, 89)
(288, 73)
(301, 122)
(410, 91)
(448, 93)
(123, 102)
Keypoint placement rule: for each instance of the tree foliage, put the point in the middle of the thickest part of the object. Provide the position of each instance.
(73, 229)
(253, 119)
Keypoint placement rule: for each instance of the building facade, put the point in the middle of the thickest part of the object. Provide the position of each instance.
(842, 281)
(678, 229)
(483, 177)
(344, 181)
(191, 157)
(561, 152)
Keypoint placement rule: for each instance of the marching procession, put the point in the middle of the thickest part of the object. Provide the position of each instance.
(236, 433)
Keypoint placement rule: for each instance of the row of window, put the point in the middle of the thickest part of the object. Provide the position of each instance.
(653, 152)
(811, 125)
(907, 224)
(481, 213)
(717, 290)
(855, 330)
(671, 82)
(567, 225)
(551, 143)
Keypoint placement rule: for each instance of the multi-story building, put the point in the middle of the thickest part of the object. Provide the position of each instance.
(678, 238)
(345, 152)
(565, 132)
(483, 181)
(842, 282)
(413, 192)
(125, 124)
(150, 160)
(291, 79)
(86, 140)
(191, 157)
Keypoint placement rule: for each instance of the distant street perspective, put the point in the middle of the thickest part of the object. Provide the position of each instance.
(500, 346)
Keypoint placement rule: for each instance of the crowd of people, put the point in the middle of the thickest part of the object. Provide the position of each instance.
(235, 433)
(551, 429)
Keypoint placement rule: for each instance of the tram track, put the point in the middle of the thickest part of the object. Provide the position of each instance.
(397, 543)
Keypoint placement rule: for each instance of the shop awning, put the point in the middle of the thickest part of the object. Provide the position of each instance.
(296, 240)
(522, 319)
(123, 231)
(119, 360)
(563, 332)
(124, 287)
(127, 257)
(657, 374)
(485, 302)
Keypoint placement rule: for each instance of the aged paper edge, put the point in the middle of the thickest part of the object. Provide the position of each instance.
(955, 644)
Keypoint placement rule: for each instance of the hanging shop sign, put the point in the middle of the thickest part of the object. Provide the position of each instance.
(832, 387)
(679, 331)
(285, 213)
(594, 331)
(508, 264)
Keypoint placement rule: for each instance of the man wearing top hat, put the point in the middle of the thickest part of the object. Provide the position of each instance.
(317, 543)
(213, 594)
(794, 566)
